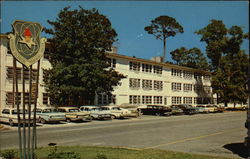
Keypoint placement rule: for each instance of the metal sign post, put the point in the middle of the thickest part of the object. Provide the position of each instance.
(27, 47)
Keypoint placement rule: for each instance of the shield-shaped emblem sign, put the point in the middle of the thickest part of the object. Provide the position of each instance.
(26, 44)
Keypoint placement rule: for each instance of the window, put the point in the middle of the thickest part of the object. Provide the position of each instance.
(197, 88)
(26, 99)
(158, 69)
(176, 100)
(27, 74)
(6, 111)
(134, 99)
(146, 68)
(9, 98)
(134, 83)
(187, 74)
(10, 73)
(176, 72)
(187, 100)
(187, 87)
(112, 62)
(106, 99)
(176, 86)
(147, 84)
(45, 98)
(146, 99)
(158, 85)
(135, 66)
(157, 99)
(206, 77)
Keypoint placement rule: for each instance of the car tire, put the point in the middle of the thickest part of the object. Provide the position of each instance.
(112, 117)
(157, 114)
(43, 121)
(11, 123)
(68, 120)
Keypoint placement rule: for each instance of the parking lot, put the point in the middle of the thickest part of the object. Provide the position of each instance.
(214, 134)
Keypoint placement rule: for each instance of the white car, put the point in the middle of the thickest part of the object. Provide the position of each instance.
(96, 112)
(9, 115)
(74, 114)
(117, 111)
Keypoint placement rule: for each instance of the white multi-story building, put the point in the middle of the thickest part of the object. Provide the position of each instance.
(154, 82)
(146, 82)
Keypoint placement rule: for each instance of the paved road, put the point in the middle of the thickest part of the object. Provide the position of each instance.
(210, 134)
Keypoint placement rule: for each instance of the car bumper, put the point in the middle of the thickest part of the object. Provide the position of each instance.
(55, 119)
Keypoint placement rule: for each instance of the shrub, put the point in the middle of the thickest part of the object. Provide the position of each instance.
(8, 154)
(101, 156)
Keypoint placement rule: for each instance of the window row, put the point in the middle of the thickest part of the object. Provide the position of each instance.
(136, 99)
(189, 74)
(26, 72)
(112, 62)
(136, 66)
(189, 87)
(9, 98)
(190, 100)
(146, 84)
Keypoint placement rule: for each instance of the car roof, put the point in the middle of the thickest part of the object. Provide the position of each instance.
(68, 108)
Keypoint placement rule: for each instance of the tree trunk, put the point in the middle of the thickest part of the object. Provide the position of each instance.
(164, 49)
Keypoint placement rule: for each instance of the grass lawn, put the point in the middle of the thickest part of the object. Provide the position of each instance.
(92, 152)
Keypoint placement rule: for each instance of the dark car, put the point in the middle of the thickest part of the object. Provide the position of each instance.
(156, 110)
(187, 109)
(175, 110)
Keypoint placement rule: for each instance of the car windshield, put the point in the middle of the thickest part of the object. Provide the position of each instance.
(20, 111)
(74, 110)
(116, 108)
(49, 110)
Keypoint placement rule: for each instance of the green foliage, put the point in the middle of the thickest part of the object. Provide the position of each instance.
(80, 39)
(163, 27)
(8, 154)
(101, 156)
(190, 58)
(229, 63)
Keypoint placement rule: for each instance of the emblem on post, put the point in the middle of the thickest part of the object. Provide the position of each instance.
(26, 44)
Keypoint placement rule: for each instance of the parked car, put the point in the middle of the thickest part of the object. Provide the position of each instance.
(134, 109)
(220, 109)
(212, 108)
(9, 115)
(158, 110)
(117, 112)
(74, 114)
(187, 109)
(202, 108)
(97, 112)
(175, 110)
(49, 115)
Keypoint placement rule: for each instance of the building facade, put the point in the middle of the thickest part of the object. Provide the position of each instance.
(154, 82)
(7, 75)
(146, 82)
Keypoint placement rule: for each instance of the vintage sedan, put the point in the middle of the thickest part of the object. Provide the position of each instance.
(74, 114)
(9, 115)
(202, 109)
(176, 110)
(49, 115)
(159, 110)
(117, 112)
(97, 112)
(187, 109)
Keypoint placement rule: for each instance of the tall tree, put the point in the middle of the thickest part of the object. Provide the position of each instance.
(190, 58)
(228, 62)
(80, 39)
(163, 27)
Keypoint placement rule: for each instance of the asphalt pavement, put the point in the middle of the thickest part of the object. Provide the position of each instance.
(213, 134)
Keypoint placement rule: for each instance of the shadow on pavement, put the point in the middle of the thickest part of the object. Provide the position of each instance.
(237, 148)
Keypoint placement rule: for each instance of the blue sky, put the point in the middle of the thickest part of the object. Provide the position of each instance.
(130, 17)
